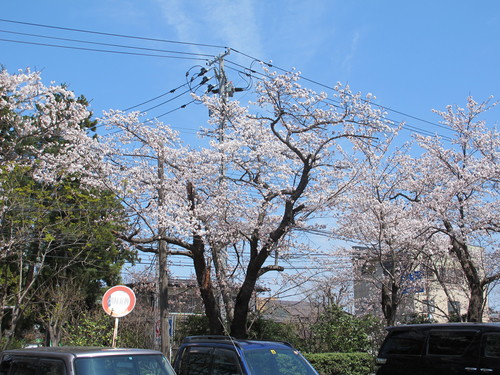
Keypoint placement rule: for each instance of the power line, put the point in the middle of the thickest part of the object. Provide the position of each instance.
(100, 50)
(107, 44)
(246, 71)
(112, 34)
(156, 97)
(335, 103)
(331, 88)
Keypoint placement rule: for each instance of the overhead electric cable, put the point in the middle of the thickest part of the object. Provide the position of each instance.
(406, 126)
(156, 97)
(111, 34)
(107, 44)
(176, 109)
(100, 50)
(166, 101)
(331, 88)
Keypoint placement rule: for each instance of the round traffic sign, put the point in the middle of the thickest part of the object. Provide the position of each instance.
(118, 301)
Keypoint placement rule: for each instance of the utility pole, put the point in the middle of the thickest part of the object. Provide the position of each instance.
(225, 90)
(165, 343)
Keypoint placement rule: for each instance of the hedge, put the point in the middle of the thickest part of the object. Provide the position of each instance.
(342, 363)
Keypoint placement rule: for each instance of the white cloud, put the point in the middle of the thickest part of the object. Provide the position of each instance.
(222, 22)
(347, 63)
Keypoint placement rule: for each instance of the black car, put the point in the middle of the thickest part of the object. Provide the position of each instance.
(83, 361)
(223, 355)
(440, 349)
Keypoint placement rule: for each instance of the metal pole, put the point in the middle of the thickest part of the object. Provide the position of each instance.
(115, 333)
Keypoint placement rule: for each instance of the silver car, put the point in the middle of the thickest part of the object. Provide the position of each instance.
(83, 361)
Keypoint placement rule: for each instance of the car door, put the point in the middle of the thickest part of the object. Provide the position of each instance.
(490, 354)
(402, 349)
(453, 352)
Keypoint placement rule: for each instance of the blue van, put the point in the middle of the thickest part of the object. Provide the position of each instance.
(223, 355)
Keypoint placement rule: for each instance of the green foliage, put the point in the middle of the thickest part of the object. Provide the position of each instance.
(90, 329)
(418, 319)
(264, 329)
(338, 331)
(191, 325)
(51, 233)
(342, 363)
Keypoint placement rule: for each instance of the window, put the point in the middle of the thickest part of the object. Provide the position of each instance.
(23, 366)
(277, 362)
(196, 361)
(51, 367)
(225, 363)
(450, 342)
(123, 365)
(404, 342)
(5, 365)
(492, 345)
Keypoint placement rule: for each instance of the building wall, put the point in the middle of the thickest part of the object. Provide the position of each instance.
(431, 292)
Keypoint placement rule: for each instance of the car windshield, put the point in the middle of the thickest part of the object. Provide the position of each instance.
(124, 365)
(277, 362)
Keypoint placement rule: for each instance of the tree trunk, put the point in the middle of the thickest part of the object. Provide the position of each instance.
(219, 255)
(389, 303)
(241, 307)
(476, 304)
(207, 293)
(476, 297)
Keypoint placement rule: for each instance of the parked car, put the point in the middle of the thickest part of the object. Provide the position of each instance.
(223, 355)
(440, 349)
(83, 361)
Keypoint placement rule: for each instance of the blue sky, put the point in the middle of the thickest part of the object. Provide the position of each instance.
(413, 55)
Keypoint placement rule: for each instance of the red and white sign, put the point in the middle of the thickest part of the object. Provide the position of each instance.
(118, 301)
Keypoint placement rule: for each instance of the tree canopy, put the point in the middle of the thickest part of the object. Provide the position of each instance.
(54, 230)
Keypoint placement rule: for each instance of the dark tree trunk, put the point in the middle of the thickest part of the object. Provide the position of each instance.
(389, 303)
(474, 281)
(242, 304)
(205, 286)
(476, 304)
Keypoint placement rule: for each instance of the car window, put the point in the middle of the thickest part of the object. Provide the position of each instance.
(404, 342)
(225, 362)
(5, 364)
(196, 361)
(277, 362)
(51, 367)
(123, 365)
(492, 345)
(23, 366)
(450, 342)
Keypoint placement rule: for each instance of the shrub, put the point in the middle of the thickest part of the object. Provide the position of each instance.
(342, 363)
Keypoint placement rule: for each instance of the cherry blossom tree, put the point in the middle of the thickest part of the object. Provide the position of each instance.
(42, 127)
(377, 217)
(284, 159)
(438, 207)
(51, 228)
(455, 186)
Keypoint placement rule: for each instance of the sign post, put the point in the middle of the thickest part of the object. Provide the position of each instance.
(117, 302)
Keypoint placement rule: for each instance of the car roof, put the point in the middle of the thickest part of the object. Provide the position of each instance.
(464, 325)
(79, 351)
(231, 341)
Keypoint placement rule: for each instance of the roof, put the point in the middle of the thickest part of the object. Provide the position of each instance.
(243, 344)
(79, 351)
(494, 326)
